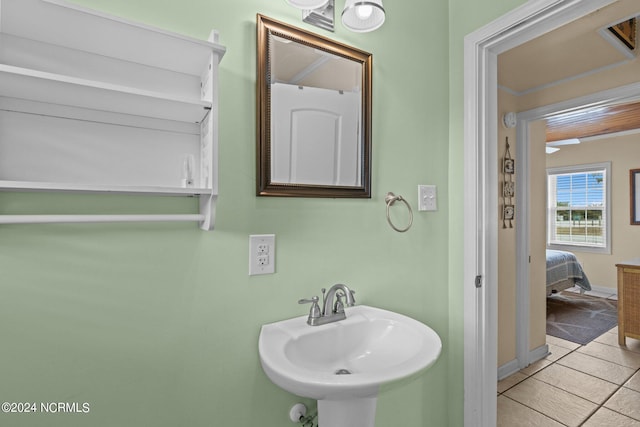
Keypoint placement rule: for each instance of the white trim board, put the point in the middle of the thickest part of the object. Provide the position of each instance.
(598, 291)
(532, 19)
(512, 367)
(604, 291)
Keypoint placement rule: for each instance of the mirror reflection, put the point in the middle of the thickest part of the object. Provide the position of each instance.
(314, 114)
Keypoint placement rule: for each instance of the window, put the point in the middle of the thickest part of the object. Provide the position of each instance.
(578, 208)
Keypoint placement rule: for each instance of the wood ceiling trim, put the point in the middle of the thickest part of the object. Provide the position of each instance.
(594, 122)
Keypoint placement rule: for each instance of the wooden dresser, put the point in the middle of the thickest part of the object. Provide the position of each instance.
(628, 300)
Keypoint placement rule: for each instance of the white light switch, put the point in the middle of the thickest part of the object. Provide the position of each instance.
(427, 198)
(262, 254)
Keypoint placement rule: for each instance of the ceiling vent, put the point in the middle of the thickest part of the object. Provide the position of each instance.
(623, 36)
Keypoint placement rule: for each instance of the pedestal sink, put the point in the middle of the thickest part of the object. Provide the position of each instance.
(343, 364)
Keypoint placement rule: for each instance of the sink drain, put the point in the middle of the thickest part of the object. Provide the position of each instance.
(343, 372)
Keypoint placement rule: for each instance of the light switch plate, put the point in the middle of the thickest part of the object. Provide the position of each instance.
(427, 198)
(262, 254)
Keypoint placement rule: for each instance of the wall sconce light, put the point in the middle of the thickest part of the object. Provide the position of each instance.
(360, 16)
(363, 16)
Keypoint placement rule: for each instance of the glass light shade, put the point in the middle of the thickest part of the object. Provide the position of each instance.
(307, 4)
(362, 16)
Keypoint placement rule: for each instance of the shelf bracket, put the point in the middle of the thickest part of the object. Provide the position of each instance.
(208, 211)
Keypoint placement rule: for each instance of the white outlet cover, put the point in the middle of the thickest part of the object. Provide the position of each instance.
(262, 254)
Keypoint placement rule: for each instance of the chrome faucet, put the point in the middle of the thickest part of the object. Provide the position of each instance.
(332, 311)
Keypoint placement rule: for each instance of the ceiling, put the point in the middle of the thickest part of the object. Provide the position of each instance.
(295, 63)
(594, 122)
(577, 49)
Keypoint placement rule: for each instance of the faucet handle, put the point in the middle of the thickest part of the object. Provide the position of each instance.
(338, 307)
(307, 301)
(314, 312)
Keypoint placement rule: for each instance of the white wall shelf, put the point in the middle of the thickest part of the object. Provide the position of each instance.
(97, 188)
(91, 102)
(51, 88)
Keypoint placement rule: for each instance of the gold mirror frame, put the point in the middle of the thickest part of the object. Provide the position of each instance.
(265, 187)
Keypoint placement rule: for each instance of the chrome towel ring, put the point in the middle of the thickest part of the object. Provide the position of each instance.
(390, 199)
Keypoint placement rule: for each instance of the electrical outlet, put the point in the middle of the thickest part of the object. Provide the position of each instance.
(427, 198)
(262, 254)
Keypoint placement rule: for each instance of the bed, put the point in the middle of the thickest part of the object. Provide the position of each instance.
(564, 271)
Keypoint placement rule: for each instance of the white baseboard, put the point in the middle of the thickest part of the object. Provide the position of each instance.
(512, 366)
(598, 291)
(538, 353)
(603, 290)
(507, 369)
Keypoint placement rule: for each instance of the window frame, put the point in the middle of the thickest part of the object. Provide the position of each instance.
(581, 247)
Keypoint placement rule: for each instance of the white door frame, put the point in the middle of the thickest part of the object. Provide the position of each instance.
(481, 49)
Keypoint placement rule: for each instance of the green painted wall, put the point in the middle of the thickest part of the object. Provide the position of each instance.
(464, 17)
(157, 325)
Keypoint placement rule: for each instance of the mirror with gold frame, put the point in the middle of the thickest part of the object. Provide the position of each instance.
(313, 114)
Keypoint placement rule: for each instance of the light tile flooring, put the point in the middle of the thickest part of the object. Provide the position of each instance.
(596, 385)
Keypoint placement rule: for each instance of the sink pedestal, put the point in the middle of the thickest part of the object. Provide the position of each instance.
(347, 412)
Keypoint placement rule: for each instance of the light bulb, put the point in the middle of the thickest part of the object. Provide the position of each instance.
(364, 11)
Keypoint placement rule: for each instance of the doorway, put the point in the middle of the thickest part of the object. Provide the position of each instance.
(481, 199)
(628, 93)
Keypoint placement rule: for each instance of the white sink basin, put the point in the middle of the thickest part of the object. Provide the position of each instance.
(348, 359)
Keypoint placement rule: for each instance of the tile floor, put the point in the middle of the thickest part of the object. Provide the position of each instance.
(595, 385)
